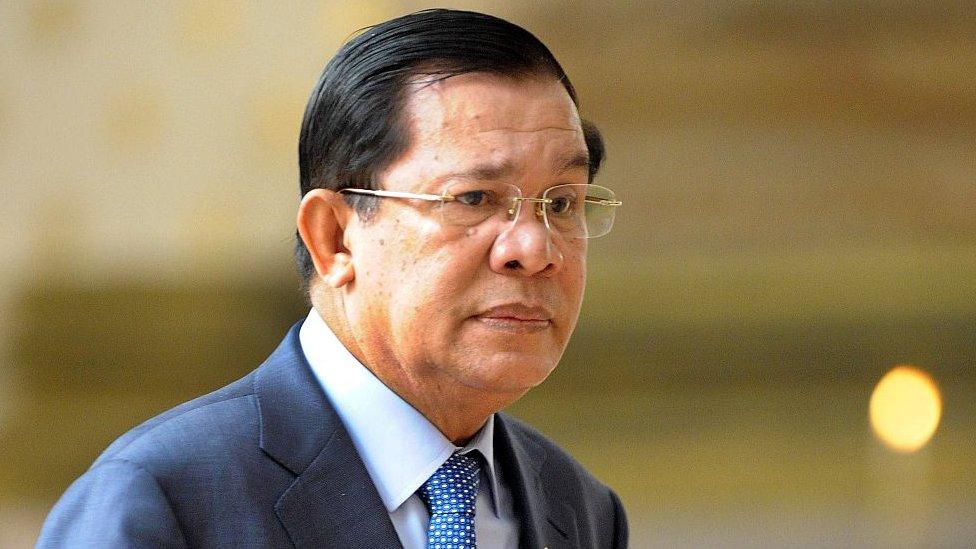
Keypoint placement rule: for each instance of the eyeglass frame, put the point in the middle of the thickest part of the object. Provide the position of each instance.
(513, 211)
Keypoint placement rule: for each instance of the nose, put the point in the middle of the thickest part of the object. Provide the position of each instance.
(525, 246)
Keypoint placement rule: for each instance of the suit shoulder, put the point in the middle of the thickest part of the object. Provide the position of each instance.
(207, 419)
(117, 503)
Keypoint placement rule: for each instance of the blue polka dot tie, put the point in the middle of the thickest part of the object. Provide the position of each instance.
(449, 495)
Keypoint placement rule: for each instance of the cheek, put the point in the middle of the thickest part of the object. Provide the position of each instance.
(442, 281)
(450, 257)
(574, 269)
(428, 284)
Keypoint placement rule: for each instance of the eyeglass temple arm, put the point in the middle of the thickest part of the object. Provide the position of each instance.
(398, 194)
(602, 201)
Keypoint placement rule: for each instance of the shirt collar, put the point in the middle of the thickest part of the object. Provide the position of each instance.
(400, 447)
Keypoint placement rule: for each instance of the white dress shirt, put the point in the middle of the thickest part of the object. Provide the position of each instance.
(400, 447)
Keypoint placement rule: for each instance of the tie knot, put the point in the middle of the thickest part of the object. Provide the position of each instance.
(453, 486)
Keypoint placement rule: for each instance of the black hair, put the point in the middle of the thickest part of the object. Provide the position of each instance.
(353, 129)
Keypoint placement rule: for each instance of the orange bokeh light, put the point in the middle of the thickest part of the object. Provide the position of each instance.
(905, 408)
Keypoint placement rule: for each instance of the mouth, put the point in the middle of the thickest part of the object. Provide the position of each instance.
(515, 318)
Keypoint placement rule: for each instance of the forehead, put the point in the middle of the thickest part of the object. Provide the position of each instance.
(479, 117)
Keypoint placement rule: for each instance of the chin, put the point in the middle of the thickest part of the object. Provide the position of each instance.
(512, 372)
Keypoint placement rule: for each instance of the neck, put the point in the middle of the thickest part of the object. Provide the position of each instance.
(458, 420)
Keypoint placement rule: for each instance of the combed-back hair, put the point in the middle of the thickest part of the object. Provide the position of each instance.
(353, 127)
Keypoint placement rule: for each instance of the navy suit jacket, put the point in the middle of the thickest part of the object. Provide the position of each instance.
(266, 462)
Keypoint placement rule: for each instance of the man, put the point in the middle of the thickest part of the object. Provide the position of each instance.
(447, 200)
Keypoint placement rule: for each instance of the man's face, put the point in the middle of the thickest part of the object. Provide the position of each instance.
(445, 309)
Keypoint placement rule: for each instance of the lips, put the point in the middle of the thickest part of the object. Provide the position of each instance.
(518, 312)
(515, 318)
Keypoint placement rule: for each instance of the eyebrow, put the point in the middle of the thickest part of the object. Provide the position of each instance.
(487, 171)
(499, 170)
(575, 161)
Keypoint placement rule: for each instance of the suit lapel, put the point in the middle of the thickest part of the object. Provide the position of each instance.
(332, 502)
(544, 523)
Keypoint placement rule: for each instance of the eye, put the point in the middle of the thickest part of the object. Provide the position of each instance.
(561, 204)
(474, 198)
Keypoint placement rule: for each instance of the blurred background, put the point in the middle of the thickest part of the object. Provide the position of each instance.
(799, 180)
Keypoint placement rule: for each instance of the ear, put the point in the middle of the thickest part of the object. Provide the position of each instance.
(322, 219)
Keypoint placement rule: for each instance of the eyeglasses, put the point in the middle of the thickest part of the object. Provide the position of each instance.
(575, 210)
